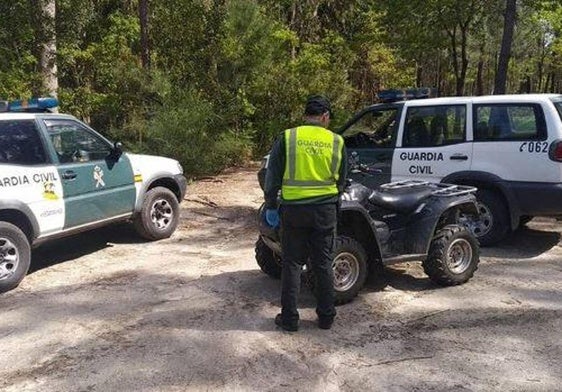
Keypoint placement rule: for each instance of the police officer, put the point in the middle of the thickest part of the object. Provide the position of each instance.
(309, 165)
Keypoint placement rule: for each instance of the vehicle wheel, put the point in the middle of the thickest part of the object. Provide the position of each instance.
(453, 256)
(350, 269)
(493, 224)
(15, 256)
(268, 261)
(159, 215)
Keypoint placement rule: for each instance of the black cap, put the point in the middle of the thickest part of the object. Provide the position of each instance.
(317, 105)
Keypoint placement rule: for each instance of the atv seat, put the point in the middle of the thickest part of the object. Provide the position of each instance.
(400, 200)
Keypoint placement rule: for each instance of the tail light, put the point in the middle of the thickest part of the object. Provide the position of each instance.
(555, 151)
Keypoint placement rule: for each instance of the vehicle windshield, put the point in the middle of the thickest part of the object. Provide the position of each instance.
(375, 128)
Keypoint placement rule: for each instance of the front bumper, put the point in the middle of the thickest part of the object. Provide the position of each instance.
(537, 198)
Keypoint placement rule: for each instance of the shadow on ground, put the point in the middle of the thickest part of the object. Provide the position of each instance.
(73, 247)
(162, 330)
(231, 222)
(524, 243)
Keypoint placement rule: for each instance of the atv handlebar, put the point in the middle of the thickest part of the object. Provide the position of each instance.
(356, 167)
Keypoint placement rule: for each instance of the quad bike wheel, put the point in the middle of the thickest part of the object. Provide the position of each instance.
(349, 267)
(159, 215)
(453, 256)
(269, 262)
(15, 256)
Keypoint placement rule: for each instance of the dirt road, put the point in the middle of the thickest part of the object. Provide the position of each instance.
(104, 311)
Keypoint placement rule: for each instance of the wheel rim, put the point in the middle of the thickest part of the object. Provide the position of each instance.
(459, 256)
(9, 258)
(346, 271)
(161, 214)
(481, 226)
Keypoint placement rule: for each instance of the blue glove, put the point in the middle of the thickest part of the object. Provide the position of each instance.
(272, 217)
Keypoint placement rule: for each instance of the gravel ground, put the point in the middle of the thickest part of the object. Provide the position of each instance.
(104, 311)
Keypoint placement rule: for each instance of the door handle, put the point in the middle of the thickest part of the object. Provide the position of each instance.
(69, 175)
(459, 157)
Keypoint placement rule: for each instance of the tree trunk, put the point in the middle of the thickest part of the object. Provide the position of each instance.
(505, 52)
(145, 45)
(47, 44)
(454, 57)
(464, 60)
(419, 75)
(480, 72)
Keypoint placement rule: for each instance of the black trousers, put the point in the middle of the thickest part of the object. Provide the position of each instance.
(308, 233)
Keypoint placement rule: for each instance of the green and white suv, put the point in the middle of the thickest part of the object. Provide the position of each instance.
(59, 177)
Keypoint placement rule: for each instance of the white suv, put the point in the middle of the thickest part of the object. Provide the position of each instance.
(59, 177)
(508, 146)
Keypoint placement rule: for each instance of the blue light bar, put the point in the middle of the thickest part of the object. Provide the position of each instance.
(394, 95)
(32, 105)
(391, 95)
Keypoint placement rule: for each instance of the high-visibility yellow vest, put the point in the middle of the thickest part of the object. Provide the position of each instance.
(313, 157)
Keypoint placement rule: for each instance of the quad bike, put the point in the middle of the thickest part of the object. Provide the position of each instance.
(398, 222)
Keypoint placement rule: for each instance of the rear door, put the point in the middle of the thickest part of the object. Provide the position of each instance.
(511, 141)
(434, 142)
(28, 178)
(371, 138)
(96, 185)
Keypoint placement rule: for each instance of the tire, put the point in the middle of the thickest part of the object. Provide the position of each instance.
(440, 265)
(268, 261)
(159, 215)
(15, 256)
(493, 225)
(350, 269)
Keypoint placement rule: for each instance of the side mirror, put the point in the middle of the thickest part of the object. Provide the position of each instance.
(117, 150)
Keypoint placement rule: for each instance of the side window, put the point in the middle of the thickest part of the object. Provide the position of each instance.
(509, 122)
(20, 143)
(431, 126)
(558, 106)
(75, 143)
(373, 129)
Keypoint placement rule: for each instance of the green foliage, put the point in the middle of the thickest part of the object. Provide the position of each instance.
(187, 128)
(227, 76)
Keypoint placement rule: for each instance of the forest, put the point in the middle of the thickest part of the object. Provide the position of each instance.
(213, 82)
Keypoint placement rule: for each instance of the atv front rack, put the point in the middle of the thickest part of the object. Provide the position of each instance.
(438, 189)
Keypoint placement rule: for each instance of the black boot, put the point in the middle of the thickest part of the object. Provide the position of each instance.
(292, 327)
(325, 322)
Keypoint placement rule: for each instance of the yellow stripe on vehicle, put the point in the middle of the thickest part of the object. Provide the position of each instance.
(138, 177)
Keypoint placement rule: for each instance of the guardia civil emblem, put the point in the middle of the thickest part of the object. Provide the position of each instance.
(98, 177)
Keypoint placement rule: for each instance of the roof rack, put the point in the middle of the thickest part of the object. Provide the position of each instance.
(34, 105)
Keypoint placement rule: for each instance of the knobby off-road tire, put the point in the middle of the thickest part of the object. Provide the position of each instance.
(268, 261)
(159, 215)
(15, 256)
(453, 256)
(350, 269)
(494, 225)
